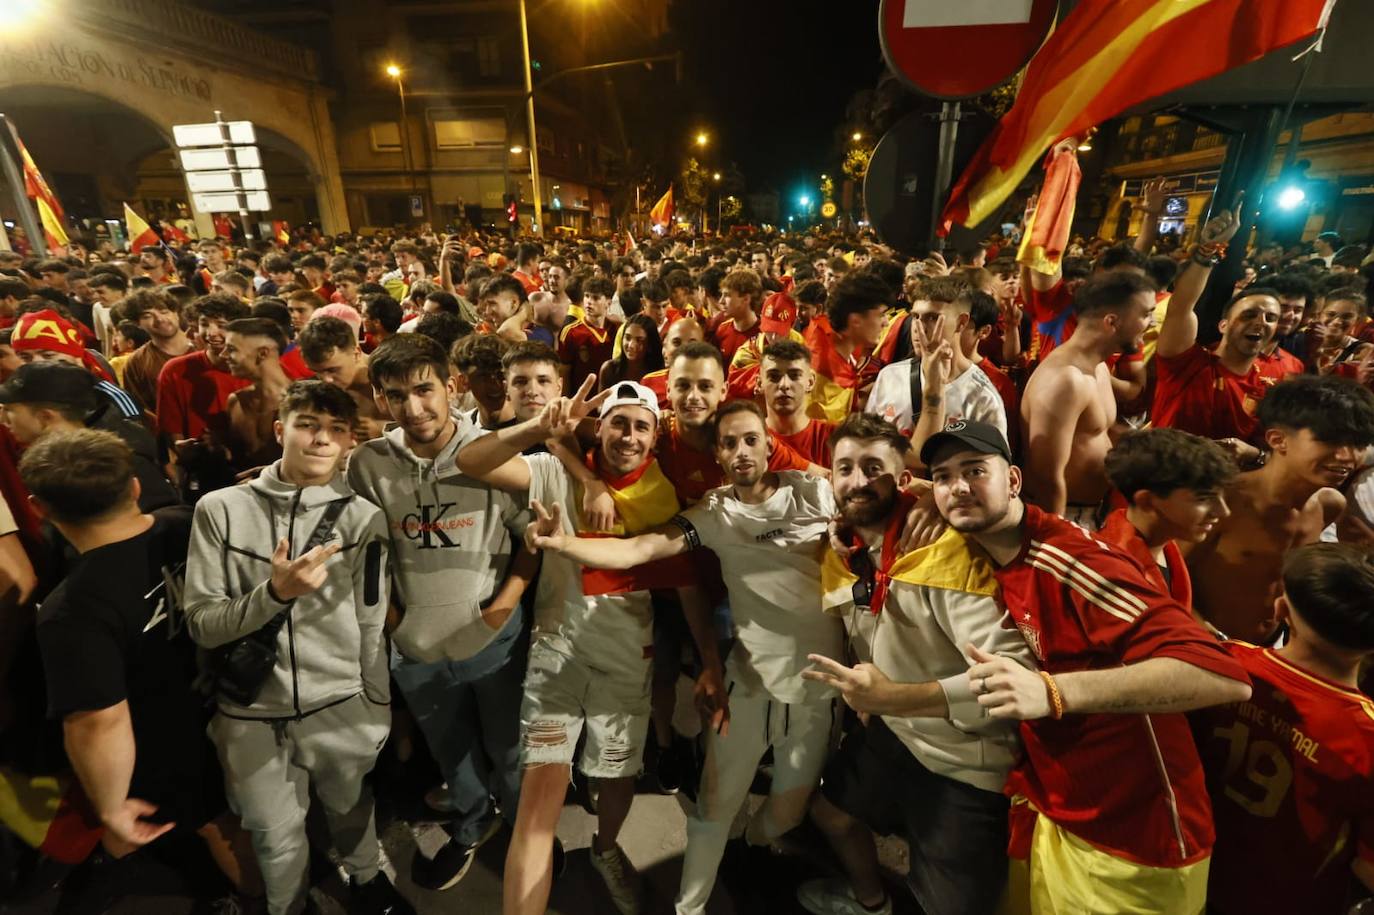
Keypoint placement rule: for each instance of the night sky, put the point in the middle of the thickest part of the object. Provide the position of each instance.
(770, 79)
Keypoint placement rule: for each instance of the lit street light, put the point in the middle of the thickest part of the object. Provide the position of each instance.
(857, 136)
(395, 73)
(1291, 197)
(516, 150)
(805, 201)
(715, 176)
(702, 140)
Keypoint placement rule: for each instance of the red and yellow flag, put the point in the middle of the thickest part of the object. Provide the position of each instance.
(838, 379)
(36, 189)
(644, 498)
(1047, 233)
(141, 235)
(281, 232)
(662, 213)
(1108, 55)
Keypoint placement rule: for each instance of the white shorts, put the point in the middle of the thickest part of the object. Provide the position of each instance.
(562, 695)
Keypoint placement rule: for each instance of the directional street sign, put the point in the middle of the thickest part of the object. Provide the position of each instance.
(206, 160)
(249, 179)
(240, 133)
(251, 201)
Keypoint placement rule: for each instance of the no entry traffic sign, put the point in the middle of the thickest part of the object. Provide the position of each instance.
(955, 49)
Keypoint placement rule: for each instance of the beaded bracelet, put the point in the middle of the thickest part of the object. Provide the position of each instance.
(1056, 697)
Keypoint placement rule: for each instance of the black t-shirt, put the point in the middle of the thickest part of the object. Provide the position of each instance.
(113, 630)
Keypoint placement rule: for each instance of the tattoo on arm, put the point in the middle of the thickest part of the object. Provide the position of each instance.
(933, 400)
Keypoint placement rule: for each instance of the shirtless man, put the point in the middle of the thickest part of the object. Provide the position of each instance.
(331, 350)
(252, 350)
(1314, 429)
(1069, 408)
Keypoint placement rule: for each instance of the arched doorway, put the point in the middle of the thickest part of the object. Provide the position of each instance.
(97, 153)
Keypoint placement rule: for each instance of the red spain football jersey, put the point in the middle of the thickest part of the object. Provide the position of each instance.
(694, 473)
(1278, 365)
(583, 348)
(1052, 317)
(1291, 775)
(812, 443)
(723, 333)
(1194, 392)
(1129, 784)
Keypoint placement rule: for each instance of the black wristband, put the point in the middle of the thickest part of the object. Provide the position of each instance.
(688, 531)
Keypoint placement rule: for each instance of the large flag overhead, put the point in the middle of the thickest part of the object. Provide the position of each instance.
(662, 213)
(36, 189)
(141, 235)
(1105, 57)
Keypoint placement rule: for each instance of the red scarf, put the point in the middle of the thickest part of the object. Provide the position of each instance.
(892, 535)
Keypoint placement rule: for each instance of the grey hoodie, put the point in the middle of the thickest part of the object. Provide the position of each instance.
(332, 646)
(451, 543)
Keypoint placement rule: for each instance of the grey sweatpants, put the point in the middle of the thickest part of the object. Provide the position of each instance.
(269, 768)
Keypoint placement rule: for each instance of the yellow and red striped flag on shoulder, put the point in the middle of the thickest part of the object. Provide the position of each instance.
(141, 235)
(1109, 55)
(841, 382)
(36, 189)
(644, 498)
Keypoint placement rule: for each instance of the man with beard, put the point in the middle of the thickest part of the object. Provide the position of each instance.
(1314, 430)
(592, 644)
(925, 763)
(1069, 407)
(1212, 393)
(160, 315)
(1109, 802)
(252, 349)
(768, 530)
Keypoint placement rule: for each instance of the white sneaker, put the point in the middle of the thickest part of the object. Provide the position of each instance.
(835, 897)
(622, 881)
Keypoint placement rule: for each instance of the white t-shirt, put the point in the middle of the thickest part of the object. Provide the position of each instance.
(971, 396)
(611, 633)
(770, 559)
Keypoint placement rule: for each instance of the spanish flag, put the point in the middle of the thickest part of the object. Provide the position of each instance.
(662, 213)
(838, 380)
(281, 232)
(1109, 55)
(1047, 235)
(141, 235)
(948, 564)
(643, 499)
(36, 189)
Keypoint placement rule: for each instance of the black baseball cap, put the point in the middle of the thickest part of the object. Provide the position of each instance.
(51, 382)
(975, 436)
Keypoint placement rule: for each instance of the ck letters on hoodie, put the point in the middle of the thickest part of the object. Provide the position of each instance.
(432, 527)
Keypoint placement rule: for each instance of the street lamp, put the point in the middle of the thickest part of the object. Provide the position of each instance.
(857, 136)
(517, 149)
(702, 139)
(537, 224)
(395, 73)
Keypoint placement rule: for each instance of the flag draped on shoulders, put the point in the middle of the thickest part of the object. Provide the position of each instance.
(838, 378)
(644, 498)
(1108, 55)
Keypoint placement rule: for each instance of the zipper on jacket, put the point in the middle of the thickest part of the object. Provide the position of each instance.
(290, 629)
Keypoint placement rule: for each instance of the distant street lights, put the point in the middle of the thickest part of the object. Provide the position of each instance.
(702, 139)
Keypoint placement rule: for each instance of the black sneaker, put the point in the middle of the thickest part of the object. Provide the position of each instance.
(377, 897)
(449, 865)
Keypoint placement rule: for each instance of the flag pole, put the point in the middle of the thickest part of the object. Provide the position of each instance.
(28, 217)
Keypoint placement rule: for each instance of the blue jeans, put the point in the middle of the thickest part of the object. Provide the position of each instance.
(469, 712)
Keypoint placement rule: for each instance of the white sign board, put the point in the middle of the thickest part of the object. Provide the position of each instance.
(240, 132)
(928, 14)
(250, 179)
(210, 160)
(253, 201)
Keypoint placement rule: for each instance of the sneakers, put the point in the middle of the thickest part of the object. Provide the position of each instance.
(437, 799)
(620, 877)
(451, 863)
(671, 766)
(835, 897)
(377, 897)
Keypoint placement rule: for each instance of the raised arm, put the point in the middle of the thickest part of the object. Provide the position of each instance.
(1178, 333)
(1152, 205)
(937, 366)
(546, 533)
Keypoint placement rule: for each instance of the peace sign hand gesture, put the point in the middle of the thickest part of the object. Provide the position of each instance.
(545, 532)
(560, 417)
(937, 356)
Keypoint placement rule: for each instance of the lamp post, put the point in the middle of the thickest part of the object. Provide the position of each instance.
(537, 224)
(396, 73)
(715, 176)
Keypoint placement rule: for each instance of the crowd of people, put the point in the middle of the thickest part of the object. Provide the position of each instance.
(1031, 570)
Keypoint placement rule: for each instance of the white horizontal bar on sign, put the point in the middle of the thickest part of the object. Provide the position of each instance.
(210, 134)
(253, 201)
(929, 14)
(213, 160)
(250, 179)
